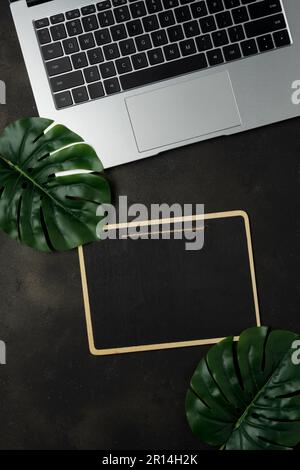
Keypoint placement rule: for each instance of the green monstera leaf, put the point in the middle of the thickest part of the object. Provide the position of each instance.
(38, 207)
(245, 395)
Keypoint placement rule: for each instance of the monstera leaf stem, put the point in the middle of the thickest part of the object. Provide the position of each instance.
(252, 404)
(34, 183)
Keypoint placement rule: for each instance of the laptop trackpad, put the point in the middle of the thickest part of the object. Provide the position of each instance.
(187, 110)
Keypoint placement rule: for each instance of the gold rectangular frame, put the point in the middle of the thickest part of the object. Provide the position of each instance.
(170, 345)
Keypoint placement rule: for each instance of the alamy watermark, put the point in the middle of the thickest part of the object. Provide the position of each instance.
(2, 92)
(161, 221)
(2, 353)
(296, 92)
(296, 353)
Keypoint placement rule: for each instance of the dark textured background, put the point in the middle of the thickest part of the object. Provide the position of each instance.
(170, 294)
(53, 393)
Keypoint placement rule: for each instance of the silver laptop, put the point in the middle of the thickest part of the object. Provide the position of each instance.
(137, 77)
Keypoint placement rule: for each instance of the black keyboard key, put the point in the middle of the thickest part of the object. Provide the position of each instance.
(232, 52)
(175, 33)
(154, 6)
(79, 60)
(171, 52)
(106, 18)
(236, 33)
(112, 86)
(224, 19)
(42, 23)
(107, 70)
(150, 23)
(265, 43)
(143, 42)
(249, 47)
(265, 25)
(102, 37)
(86, 41)
(155, 56)
(105, 5)
(240, 15)
(43, 36)
(58, 66)
(72, 15)
(70, 46)
(118, 32)
(62, 100)
(90, 23)
(138, 9)
(58, 32)
(111, 51)
(127, 47)
(80, 95)
(187, 47)
(96, 90)
(95, 56)
(231, 3)
(282, 38)
(159, 38)
(91, 74)
(191, 29)
(69, 80)
(204, 42)
(57, 18)
(118, 3)
(52, 51)
(170, 4)
(122, 14)
(215, 57)
(123, 65)
(163, 71)
(166, 18)
(199, 9)
(134, 27)
(208, 24)
(182, 14)
(214, 6)
(88, 10)
(139, 61)
(74, 27)
(265, 8)
(220, 38)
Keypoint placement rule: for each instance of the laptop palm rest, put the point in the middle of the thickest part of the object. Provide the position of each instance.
(187, 110)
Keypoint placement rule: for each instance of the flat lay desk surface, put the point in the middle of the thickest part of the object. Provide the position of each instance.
(54, 395)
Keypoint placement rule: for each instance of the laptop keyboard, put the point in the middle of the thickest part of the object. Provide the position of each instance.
(117, 45)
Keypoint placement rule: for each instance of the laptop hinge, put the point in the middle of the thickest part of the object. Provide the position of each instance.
(32, 3)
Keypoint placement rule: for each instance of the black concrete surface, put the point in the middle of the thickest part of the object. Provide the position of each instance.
(54, 395)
